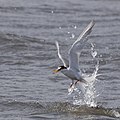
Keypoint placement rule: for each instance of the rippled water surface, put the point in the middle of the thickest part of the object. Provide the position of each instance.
(28, 30)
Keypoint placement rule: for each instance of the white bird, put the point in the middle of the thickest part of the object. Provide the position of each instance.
(72, 70)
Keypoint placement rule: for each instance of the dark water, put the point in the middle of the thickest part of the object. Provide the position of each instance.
(28, 31)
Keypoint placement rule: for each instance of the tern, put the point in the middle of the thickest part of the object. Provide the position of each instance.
(72, 70)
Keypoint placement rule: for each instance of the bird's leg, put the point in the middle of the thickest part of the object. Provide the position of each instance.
(72, 83)
(76, 82)
(72, 86)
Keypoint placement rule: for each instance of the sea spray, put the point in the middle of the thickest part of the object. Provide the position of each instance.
(85, 94)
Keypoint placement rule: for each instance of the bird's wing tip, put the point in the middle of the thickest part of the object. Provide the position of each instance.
(92, 22)
(56, 42)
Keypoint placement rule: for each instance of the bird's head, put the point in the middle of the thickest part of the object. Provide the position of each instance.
(59, 69)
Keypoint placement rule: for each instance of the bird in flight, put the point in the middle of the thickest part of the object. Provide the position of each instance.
(72, 70)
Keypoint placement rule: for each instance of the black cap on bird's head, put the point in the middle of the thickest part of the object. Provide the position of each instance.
(59, 69)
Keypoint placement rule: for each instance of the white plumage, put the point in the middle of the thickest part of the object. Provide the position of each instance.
(73, 70)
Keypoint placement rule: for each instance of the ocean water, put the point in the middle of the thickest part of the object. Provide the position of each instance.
(28, 88)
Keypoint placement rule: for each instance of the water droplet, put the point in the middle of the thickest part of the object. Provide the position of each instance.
(100, 55)
(60, 28)
(73, 36)
(94, 53)
(52, 11)
(75, 26)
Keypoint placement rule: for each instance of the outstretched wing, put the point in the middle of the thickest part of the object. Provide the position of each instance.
(77, 46)
(59, 55)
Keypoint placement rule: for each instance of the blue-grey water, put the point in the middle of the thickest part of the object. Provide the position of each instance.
(28, 30)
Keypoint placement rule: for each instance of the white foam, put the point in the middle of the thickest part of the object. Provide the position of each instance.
(86, 93)
(116, 114)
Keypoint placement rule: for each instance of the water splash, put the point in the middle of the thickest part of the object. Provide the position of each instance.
(115, 113)
(90, 91)
(85, 94)
(93, 51)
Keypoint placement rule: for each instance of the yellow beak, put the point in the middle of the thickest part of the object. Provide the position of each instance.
(55, 71)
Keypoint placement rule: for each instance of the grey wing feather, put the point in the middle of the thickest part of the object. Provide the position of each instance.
(77, 46)
(84, 34)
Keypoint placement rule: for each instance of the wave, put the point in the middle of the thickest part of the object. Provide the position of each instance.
(40, 108)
